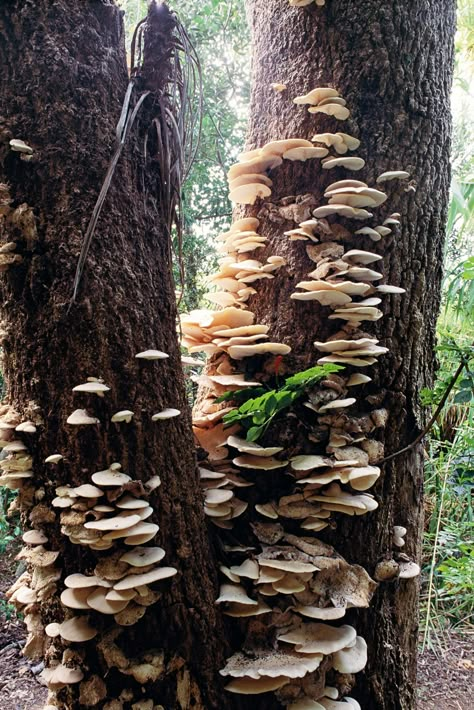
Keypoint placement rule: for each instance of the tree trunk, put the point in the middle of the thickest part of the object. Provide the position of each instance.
(62, 86)
(392, 62)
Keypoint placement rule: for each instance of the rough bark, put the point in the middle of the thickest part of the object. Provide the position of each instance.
(392, 62)
(61, 90)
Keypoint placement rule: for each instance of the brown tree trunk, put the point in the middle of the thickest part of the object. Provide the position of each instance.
(392, 62)
(62, 86)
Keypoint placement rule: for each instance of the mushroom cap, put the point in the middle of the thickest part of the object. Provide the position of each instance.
(27, 427)
(408, 570)
(84, 581)
(265, 463)
(165, 414)
(92, 387)
(133, 581)
(352, 659)
(128, 502)
(34, 537)
(319, 638)
(280, 147)
(53, 458)
(258, 164)
(393, 175)
(350, 162)
(332, 109)
(75, 598)
(98, 601)
(304, 154)
(271, 665)
(77, 630)
(294, 566)
(316, 95)
(125, 415)
(116, 523)
(152, 355)
(79, 417)
(249, 193)
(87, 490)
(20, 146)
(250, 447)
(110, 477)
(251, 686)
(234, 593)
(327, 613)
(143, 556)
(237, 352)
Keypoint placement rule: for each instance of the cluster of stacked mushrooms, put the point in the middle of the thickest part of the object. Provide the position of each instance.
(110, 516)
(288, 586)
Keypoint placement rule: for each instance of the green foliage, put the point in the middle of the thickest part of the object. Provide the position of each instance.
(7, 610)
(9, 531)
(256, 413)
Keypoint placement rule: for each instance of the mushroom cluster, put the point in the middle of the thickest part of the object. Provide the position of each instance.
(248, 179)
(325, 100)
(236, 272)
(231, 330)
(290, 582)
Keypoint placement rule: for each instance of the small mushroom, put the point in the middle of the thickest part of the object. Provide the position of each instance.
(125, 415)
(80, 418)
(152, 355)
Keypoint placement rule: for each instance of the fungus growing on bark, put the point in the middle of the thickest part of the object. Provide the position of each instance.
(125, 415)
(94, 387)
(80, 418)
(276, 86)
(54, 458)
(165, 414)
(152, 355)
(393, 175)
(19, 146)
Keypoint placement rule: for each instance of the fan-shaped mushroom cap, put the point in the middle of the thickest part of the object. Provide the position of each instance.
(325, 297)
(61, 675)
(276, 86)
(19, 146)
(110, 477)
(137, 580)
(259, 164)
(248, 193)
(52, 630)
(83, 581)
(248, 568)
(75, 598)
(152, 355)
(27, 427)
(349, 162)
(304, 154)
(125, 415)
(140, 533)
(240, 611)
(245, 223)
(271, 664)
(87, 490)
(307, 462)
(292, 566)
(250, 447)
(98, 600)
(408, 570)
(281, 147)
(327, 613)
(358, 379)
(117, 523)
(358, 256)
(386, 288)
(319, 638)
(337, 404)
(128, 502)
(377, 196)
(77, 630)
(24, 595)
(80, 418)
(393, 175)
(34, 537)
(143, 556)
(316, 95)
(341, 209)
(331, 109)
(14, 446)
(165, 414)
(265, 463)
(237, 352)
(252, 686)
(370, 232)
(53, 458)
(244, 180)
(352, 659)
(92, 387)
(234, 593)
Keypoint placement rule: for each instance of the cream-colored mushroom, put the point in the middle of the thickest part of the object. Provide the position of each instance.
(152, 355)
(80, 418)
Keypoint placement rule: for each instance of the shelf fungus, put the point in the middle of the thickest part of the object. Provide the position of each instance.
(325, 100)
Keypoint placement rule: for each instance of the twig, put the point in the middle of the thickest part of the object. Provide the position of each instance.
(433, 419)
